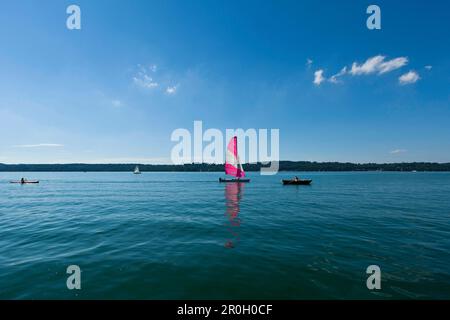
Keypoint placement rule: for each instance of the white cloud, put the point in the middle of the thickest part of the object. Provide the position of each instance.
(144, 79)
(40, 145)
(334, 79)
(377, 64)
(428, 67)
(318, 77)
(398, 151)
(172, 90)
(393, 64)
(368, 67)
(117, 103)
(160, 81)
(409, 77)
(373, 65)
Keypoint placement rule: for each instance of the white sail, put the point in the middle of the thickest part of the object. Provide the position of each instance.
(233, 166)
(136, 170)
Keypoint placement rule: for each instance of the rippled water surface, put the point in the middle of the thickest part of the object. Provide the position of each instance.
(184, 235)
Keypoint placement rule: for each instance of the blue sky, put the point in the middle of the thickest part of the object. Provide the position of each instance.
(137, 70)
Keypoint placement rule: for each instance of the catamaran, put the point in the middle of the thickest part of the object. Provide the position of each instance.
(233, 166)
(136, 170)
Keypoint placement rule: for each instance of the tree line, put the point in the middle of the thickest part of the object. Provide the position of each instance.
(204, 167)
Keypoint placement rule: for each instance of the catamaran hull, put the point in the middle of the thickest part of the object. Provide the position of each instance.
(234, 180)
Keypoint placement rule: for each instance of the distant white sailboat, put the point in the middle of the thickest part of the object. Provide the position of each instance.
(136, 170)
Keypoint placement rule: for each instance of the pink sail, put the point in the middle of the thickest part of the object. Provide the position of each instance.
(233, 166)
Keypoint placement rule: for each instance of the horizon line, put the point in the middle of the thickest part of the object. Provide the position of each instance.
(206, 163)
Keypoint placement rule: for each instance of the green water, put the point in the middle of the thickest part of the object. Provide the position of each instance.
(184, 235)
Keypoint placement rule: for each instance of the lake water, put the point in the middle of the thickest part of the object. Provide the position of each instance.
(184, 235)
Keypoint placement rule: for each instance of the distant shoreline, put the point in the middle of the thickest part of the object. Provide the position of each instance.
(283, 166)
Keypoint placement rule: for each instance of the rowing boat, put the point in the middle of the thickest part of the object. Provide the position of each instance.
(24, 182)
(297, 182)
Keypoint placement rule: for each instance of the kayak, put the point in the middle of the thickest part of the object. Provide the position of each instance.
(26, 182)
(297, 182)
(234, 180)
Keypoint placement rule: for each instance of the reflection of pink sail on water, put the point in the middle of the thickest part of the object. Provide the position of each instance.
(233, 191)
(233, 196)
(233, 166)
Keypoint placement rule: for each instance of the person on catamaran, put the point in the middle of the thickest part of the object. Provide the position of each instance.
(296, 178)
(22, 181)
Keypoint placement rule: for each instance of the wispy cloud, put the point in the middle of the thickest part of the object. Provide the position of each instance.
(392, 65)
(150, 78)
(398, 151)
(428, 67)
(309, 63)
(373, 65)
(335, 78)
(40, 145)
(145, 81)
(368, 67)
(144, 77)
(377, 64)
(318, 77)
(172, 90)
(409, 77)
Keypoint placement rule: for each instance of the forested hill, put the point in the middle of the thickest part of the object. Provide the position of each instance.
(284, 166)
